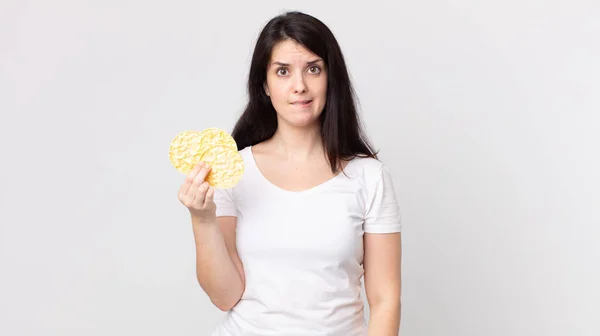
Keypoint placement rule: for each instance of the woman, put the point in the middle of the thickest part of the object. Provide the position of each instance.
(283, 252)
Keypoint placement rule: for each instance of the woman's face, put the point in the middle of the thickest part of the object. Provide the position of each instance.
(296, 83)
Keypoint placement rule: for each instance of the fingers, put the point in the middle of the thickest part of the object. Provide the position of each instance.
(210, 194)
(191, 191)
(200, 195)
(196, 194)
(201, 175)
(189, 179)
(198, 188)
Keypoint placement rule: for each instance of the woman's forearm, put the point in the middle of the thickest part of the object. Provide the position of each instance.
(384, 319)
(216, 272)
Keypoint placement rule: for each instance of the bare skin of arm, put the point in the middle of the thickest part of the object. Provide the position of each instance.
(383, 254)
(218, 267)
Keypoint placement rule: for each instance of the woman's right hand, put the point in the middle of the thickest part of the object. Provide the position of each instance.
(197, 195)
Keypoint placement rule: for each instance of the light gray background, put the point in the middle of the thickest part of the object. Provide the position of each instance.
(486, 112)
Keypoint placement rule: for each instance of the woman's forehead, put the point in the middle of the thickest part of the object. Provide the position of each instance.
(290, 52)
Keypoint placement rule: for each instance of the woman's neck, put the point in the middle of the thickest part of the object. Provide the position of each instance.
(297, 144)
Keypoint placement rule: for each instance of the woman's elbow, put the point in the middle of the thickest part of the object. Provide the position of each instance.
(228, 301)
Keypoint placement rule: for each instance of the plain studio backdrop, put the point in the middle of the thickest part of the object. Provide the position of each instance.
(487, 114)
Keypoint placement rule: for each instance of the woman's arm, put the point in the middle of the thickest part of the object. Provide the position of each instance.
(382, 264)
(218, 267)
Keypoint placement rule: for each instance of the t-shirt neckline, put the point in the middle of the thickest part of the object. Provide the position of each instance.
(292, 192)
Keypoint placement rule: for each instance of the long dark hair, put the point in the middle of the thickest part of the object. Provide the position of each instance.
(343, 137)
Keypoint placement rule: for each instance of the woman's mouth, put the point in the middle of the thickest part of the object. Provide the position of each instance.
(302, 103)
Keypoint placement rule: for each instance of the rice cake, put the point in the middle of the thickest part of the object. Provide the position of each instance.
(227, 166)
(213, 146)
(211, 137)
(185, 151)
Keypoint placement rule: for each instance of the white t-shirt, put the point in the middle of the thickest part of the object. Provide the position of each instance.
(302, 251)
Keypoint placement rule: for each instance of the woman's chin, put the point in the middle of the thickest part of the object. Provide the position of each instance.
(304, 121)
(300, 119)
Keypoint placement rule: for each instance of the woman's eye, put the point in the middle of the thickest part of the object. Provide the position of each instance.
(314, 69)
(282, 72)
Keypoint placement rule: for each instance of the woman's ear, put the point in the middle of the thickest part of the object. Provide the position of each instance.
(266, 89)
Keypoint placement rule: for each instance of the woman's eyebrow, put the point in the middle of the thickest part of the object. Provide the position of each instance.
(308, 63)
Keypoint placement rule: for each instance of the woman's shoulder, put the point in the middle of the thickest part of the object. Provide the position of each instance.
(365, 165)
(371, 171)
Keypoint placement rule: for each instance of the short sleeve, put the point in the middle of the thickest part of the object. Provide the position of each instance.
(224, 199)
(383, 211)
